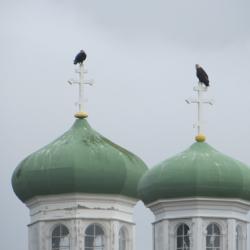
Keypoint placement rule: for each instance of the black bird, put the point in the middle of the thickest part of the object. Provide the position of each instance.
(80, 57)
(202, 75)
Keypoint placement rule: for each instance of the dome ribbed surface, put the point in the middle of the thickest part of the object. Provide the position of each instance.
(200, 171)
(81, 160)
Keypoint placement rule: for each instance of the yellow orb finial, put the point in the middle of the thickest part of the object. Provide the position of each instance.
(200, 138)
(81, 115)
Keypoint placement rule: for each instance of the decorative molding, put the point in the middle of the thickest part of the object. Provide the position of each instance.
(72, 197)
(200, 207)
(81, 206)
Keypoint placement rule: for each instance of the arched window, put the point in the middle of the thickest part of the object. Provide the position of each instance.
(213, 239)
(239, 238)
(182, 237)
(123, 239)
(60, 238)
(94, 238)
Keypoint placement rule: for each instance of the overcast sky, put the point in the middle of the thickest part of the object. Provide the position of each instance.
(141, 55)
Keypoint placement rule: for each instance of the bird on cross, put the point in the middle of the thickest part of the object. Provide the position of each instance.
(202, 75)
(80, 57)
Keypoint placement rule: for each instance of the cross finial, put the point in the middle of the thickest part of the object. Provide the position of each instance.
(200, 89)
(80, 71)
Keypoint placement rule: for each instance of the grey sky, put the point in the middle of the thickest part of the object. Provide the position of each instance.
(142, 56)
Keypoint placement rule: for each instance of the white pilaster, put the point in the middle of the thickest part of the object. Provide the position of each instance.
(115, 235)
(166, 234)
(132, 237)
(159, 235)
(197, 234)
(231, 239)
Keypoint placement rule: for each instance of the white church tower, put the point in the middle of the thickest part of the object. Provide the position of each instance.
(80, 190)
(200, 198)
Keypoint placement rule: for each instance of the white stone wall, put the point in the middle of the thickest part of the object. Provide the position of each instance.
(77, 212)
(197, 214)
(165, 233)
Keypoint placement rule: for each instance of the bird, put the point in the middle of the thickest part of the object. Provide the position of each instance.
(80, 57)
(202, 75)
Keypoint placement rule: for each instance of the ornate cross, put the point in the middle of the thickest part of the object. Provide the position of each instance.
(199, 89)
(80, 71)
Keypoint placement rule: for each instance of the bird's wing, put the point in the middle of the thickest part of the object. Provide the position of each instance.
(77, 57)
(204, 73)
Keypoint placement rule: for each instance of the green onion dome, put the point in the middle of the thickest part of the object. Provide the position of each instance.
(200, 171)
(81, 161)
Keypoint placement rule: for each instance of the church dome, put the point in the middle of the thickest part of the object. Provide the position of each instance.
(199, 171)
(82, 161)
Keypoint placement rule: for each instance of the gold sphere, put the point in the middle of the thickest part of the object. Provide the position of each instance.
(200, 138)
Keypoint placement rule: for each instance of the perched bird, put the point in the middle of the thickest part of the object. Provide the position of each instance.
(80, 57)
(202, 75)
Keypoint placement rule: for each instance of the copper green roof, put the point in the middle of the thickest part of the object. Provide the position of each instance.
(81, 160)
(200, 171)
